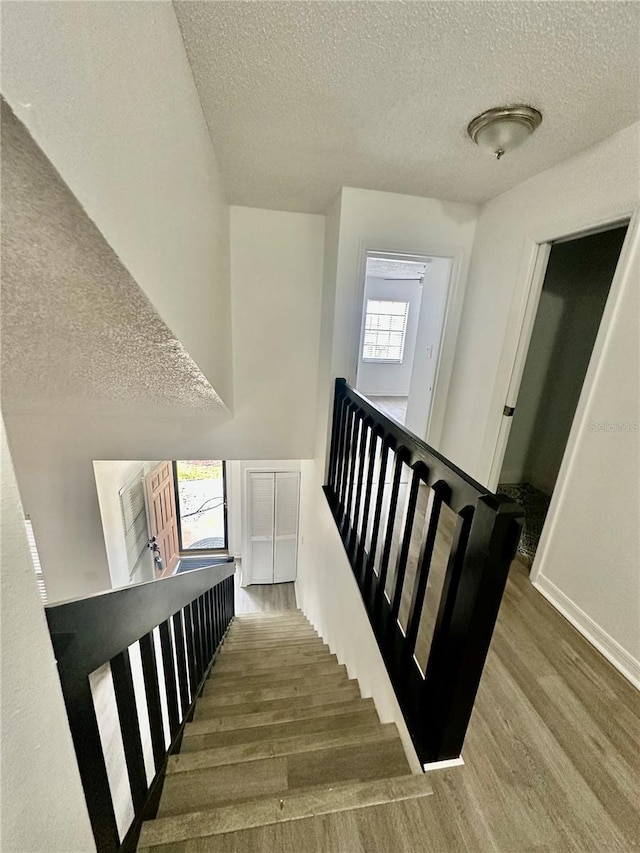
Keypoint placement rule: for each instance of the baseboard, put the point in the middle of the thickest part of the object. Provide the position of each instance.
(383, 394)
(624, 662)
(443, 765)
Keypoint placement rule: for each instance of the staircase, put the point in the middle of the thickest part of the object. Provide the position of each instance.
(279, 735)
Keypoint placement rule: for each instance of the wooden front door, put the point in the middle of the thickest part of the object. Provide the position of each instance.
(163, 523)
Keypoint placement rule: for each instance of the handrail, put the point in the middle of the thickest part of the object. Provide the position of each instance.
(191, 612)
(431, 591)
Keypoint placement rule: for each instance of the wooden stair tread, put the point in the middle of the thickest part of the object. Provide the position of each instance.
(281, 746)
(264, 678)
(243, 644)
(291, 806)
(282, 715)
(210, 787)
(209, 708)
(222, 695)
(204, 739)
(265, 661)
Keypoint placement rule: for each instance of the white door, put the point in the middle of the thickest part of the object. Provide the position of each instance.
(287, 485)
(273, 526)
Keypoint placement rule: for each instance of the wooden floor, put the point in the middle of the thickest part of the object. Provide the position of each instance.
(552, 757)
(395, 407)
(276, 596)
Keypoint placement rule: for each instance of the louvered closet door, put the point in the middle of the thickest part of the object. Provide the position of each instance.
(261, 523)
(287, 487)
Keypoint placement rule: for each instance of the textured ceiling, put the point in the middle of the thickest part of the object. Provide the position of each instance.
(78, 334)
(303, 98)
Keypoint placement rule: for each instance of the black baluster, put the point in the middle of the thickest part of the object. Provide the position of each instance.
(359, 563)
(351, 476)
(129, 727)
(191, 651)
(391, 521)
(365, 432)
(168, 666)
(401, 568)
(377, 514)
(181, 660)
(152, 692)
(424, 564)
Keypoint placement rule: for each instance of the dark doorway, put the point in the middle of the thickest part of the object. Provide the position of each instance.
(574, 294)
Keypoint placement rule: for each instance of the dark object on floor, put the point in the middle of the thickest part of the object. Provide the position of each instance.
(535, 504)
(188, 564)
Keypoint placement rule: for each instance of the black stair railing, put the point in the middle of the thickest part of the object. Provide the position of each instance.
(430, 549)
(191, 613)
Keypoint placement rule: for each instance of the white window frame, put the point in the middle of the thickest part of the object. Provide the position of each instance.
(378, 359)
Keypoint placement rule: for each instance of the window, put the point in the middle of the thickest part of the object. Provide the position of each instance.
(36, 560)
(385, 328)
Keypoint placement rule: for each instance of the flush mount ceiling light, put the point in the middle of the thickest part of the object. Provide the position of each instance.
(502, 129)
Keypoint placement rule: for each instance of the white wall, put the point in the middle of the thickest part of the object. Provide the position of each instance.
(276, 270)
(43, 807)
(329, 596)
(391, 379)
(107, 92)
(588, 558)
(396, 223)
(429, 347)
(325, 375)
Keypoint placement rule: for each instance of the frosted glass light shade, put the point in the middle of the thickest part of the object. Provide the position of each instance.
(504, 128)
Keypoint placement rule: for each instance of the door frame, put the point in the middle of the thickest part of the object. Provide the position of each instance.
(194, 552)
(533, 268)
(444, 355)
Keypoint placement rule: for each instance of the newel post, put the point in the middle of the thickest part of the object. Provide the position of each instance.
(468, 611)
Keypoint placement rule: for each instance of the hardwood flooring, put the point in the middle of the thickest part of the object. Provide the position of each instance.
(277, 596)
(552, 758)
(394, 407)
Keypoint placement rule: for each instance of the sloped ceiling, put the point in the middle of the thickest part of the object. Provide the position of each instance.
(303, 98)
(78, 334)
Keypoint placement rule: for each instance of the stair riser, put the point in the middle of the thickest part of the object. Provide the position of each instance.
(213, 711)
(302, 687)
(359, 735)
(288, 674)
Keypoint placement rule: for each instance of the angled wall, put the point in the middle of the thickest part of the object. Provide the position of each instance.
(106, 91)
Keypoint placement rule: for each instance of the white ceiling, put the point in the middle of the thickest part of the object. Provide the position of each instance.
(78, 334)
(305, 97)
